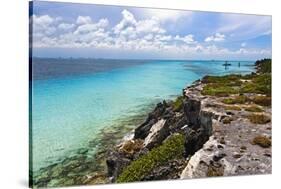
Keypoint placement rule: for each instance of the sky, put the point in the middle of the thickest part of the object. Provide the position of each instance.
(102, 31)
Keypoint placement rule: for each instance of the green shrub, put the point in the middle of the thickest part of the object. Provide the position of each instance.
(263, 66)
(217, 90)
(172, 148)
(236, 100)
(229, 80)
(260, 84)
(178, 103)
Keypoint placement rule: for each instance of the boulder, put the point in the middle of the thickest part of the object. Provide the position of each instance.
(158, 132)
(115, 164)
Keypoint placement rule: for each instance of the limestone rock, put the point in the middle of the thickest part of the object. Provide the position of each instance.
(191, 110)
(158, 132)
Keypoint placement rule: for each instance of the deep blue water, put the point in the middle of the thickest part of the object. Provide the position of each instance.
(72, 99)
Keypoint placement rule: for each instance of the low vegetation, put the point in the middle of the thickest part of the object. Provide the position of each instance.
(172, 148)
(262, 141)
(223, 86)
(218, 90)
(236, 100)
(260, 84)
(236, 108)
(262, 100)
(178, 103)
(229, 80)
(259, 118)
(132, 146)
(214, 171)
(253, 108)
(263, 66)
(227, 120)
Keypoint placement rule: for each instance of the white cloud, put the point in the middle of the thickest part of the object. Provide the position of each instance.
(164, 14)
(149, 26)
(188, 39)
(216, 38)
(130, 34)
(83, 20)
(42, 20)
(66, 26)
(43, 25)
(243, 44)
(86, 28)
(128, 20)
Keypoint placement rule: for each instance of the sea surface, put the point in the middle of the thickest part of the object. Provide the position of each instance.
(73, 99)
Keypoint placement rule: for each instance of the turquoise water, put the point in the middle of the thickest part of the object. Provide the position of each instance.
(69, 111)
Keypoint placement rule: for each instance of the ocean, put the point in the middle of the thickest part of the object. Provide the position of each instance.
(74, 99)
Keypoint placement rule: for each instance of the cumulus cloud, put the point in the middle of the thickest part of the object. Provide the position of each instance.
(188, 39)
(87, 27)
(130, 34)
(83, 20)
(216, 38)
(66, 26)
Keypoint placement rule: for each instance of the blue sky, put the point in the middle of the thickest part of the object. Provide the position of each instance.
(99, 31)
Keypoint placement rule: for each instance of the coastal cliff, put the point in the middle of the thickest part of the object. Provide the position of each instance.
(220, 126)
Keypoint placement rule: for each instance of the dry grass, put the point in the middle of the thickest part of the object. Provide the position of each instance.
(236, 100)
(259, 118)
(227, 120)
(262, 100)
(236, 108)
(214, 171)
(253, 108)
(262, 141)
(132, 146)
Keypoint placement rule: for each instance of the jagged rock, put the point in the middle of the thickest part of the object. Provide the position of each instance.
(176, 123)
(206, 163)
(143, 130)
(191, 110)
(115, 164)
(206, 122)
(194, 140)
(158, 132)
(168, 171)
(200, 127)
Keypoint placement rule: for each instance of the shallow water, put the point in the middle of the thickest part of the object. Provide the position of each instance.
(70, 107)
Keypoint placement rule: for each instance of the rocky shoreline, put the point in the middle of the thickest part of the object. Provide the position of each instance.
(220, 126)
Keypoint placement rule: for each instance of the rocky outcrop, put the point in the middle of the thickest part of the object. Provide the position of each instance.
(221, 135)
(142, 131)
(157, 133)
(208, 161)
(162, 122)
(191, 111)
